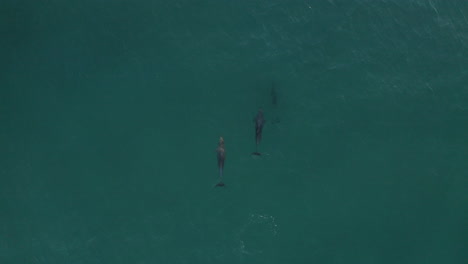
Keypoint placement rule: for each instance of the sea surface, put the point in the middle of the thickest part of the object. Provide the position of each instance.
(111, 111)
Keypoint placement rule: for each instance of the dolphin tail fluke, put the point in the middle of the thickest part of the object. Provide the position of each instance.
(256, 153)
(220, 184)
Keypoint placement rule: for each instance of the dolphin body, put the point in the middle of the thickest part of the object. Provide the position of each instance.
(221, 155)
(259, 122)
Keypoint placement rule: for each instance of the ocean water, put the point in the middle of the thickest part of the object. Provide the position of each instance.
(111, 112)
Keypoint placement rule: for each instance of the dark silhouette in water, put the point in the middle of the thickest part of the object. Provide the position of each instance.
(221, 155)
(259, 122)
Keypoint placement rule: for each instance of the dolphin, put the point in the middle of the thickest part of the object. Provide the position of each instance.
(259, 122)
(221, 155)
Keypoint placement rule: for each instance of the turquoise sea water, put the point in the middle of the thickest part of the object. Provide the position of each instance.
(111, 112)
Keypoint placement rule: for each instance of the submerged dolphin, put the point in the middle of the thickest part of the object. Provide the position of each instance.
(221, 155)
(259, 122)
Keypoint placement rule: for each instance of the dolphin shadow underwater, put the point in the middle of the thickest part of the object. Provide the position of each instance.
(221, 156)
(259, 121)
